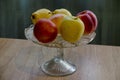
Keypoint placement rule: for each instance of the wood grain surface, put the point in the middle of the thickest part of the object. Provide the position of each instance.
(21, 60)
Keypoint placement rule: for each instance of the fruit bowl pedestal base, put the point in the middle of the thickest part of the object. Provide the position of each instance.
(58, 67)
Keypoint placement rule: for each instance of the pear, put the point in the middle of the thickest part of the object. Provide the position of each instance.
(41, 13)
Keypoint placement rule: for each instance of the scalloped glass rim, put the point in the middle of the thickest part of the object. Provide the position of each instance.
(59, 42)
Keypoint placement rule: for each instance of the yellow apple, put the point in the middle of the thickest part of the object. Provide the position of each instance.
(62, 11)
(71, 29)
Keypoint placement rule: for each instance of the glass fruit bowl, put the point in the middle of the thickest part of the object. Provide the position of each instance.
(58, 66)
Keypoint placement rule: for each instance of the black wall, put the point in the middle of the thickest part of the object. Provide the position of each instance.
(15, 16)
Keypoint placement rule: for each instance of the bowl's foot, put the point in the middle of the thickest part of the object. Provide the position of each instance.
(58, 67)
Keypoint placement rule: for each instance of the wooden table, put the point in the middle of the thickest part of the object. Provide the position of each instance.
(21, 60)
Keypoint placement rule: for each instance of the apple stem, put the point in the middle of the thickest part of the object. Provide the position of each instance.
(75, 18)
(53, 13)
(33, 17)
(49, 12)
(60, 53)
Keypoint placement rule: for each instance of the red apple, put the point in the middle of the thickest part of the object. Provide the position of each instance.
(45, 30)
(57, 19)
(89, 19)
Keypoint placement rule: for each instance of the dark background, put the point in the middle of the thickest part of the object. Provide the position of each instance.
(15, 16)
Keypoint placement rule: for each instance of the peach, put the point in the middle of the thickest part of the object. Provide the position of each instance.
(57, 19)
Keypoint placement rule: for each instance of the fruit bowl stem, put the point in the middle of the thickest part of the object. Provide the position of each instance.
(60, 52)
